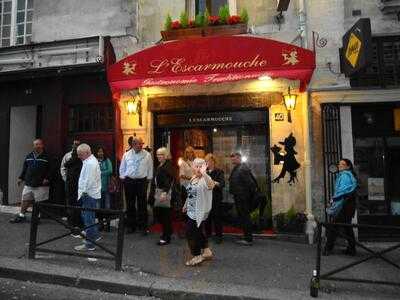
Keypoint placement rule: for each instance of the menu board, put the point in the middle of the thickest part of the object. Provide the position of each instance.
(376, 189)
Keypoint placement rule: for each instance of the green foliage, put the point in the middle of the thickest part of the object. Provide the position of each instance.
(223, 14)
(168, 22)
(184, 20)
(291, 214)
(244, 16)
(206, 17)
(200, 20)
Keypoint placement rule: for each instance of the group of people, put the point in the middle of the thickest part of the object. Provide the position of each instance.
(86, 179)
(199, 183)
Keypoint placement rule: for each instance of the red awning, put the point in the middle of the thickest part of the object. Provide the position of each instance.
(212, 60)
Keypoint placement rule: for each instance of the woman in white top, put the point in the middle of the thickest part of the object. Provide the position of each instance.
(186, 166)
(197, 207)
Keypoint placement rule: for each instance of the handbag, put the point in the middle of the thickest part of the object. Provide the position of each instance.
(158, 202)
(113, 185)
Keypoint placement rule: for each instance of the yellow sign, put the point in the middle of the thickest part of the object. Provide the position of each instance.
(353, 49)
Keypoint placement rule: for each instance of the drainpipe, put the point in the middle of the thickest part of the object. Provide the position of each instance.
(311, 224)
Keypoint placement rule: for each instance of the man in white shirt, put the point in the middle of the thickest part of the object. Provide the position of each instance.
(136, 170)
(89, 193)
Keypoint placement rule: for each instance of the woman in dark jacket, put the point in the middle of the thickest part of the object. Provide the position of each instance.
(163, 179)
(215, 217)
(73, 167)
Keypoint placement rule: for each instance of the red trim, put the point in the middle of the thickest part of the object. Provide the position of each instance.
(212, 60)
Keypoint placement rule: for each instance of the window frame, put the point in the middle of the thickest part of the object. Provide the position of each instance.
(191, 7)
(13, 35)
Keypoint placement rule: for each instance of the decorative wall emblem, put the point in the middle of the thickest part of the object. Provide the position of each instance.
(290, 58)
(287, 159)
(129, 68)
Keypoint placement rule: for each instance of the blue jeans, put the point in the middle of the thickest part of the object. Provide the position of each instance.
(89, 218)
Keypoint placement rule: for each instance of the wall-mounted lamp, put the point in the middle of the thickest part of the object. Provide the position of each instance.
(290, 103)
(134, 106)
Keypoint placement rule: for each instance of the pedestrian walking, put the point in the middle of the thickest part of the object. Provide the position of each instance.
(106, 170)
(73, 168)
(242, 187)
(342, 207)
(214, 220)
(89, 194)
(197, 207)
(161, 194)
(136, 170)
(35, 176)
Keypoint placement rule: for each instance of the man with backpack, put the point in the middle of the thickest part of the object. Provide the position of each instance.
(243, 188)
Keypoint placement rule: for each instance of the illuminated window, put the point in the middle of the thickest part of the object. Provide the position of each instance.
(15, 22)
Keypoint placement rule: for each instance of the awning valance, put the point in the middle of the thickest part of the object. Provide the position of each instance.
(212, 60)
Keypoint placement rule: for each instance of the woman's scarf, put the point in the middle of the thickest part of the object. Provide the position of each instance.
(204, 201)
(345, 184)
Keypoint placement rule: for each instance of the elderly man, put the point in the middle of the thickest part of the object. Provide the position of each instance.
(136, 170)
(89, 193)
(35, 175)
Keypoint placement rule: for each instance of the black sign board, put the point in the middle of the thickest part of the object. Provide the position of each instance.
(212, 119)
(356, 53)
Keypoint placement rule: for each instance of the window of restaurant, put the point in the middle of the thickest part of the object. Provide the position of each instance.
(91, 118)
(219, 133)
(377, 161)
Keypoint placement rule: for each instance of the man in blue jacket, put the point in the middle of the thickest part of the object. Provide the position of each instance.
(35, 176)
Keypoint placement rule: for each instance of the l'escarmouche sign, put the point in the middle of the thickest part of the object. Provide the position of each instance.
(356, 53)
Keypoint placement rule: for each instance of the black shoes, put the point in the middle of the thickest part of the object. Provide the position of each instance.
(350, 251)
(244, 242)
(18, 219)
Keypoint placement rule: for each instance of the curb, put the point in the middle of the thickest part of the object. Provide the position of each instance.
(137, 284)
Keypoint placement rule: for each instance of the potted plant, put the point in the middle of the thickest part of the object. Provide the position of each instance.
(290, 222)
(205, 25)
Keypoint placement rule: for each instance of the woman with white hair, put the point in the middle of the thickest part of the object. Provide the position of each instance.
(197, 207)
(160, 194)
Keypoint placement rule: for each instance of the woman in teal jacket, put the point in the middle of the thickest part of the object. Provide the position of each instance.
(342, 206)
(106, 172)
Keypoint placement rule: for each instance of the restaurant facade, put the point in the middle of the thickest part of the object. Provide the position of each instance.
(221, 94)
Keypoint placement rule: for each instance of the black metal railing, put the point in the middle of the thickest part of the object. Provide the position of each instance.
(45, 210)
(318, 277)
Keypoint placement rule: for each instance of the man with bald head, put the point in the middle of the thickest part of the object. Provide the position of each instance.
(89, 194)
(35, 176)
(136, 170)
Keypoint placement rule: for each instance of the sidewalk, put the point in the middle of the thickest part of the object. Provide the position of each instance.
(270, 269)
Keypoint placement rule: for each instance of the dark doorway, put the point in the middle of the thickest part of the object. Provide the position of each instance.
(220, 133)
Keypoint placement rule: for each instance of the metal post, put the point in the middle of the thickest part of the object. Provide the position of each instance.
(120, 241)
(34, 227)
(318, 265)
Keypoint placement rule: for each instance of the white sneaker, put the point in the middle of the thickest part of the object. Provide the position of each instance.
(83, 247)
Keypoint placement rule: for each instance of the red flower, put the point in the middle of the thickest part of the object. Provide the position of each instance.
(213, 20)
(234, 20)
(176, 24)
(192, 24)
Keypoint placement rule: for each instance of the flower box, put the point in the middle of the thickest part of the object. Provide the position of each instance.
(186, 33)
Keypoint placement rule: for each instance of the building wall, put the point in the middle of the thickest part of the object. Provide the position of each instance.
(60, 20)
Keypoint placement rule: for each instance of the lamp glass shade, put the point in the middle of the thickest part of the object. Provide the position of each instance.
(131, 107)
(290, 101)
